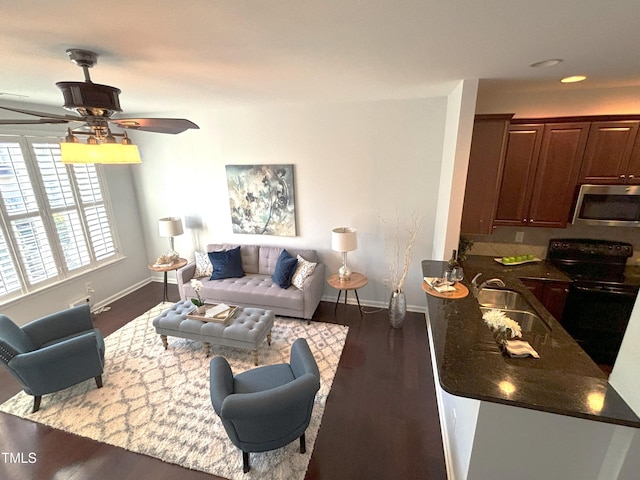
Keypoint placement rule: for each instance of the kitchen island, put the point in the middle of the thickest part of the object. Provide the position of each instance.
(504, 415)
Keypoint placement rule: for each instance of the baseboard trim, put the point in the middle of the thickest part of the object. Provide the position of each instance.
(372, 303)
(100, 305)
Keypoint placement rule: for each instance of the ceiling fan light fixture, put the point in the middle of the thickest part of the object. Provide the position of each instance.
(94, 105)
(75, 153)
(109, 138)
(105, 153)
(70, 138)
(126, 140)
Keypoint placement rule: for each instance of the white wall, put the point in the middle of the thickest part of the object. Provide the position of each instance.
(355, 163)
(624, 377)
(455, 163)
(575, 99)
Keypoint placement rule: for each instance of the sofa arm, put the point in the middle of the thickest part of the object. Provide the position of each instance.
(312, 290)
(184, 276)
(220, 382)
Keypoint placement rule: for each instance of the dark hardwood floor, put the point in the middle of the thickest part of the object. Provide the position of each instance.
(381, 419)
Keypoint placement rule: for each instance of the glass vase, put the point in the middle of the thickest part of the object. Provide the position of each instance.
(397, 308)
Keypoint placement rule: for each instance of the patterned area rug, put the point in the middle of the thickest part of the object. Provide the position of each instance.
(157, 403)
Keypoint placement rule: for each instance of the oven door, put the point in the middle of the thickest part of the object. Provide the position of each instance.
(596, 316)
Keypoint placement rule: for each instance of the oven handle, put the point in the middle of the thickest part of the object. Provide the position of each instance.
(608, 289)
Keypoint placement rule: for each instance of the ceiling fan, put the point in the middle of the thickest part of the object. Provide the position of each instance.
(94, 105)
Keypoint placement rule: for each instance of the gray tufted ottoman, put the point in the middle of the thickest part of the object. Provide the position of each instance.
(246, 329)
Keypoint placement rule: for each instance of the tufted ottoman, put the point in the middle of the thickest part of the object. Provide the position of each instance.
(246, 329)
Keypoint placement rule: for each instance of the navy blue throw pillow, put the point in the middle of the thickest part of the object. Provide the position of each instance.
(226, 264)
(285, 266)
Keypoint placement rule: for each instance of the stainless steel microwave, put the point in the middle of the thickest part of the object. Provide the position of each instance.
(608, 205)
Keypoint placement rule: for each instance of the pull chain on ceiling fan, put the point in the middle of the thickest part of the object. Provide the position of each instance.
(94, 105)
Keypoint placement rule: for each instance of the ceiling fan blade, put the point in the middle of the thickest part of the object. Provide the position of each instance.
(68, 118)
(40, 121)
(157, 125)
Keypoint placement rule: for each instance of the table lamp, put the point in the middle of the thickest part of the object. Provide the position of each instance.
(343, 239)
(170, 227)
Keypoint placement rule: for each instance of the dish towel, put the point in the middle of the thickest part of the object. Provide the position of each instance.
(520, 349)
(433, 283)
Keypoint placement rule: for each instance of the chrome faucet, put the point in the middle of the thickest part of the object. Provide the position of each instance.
(492, 281)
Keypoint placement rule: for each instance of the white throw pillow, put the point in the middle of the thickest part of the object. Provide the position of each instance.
(305, 268)
(203, 265)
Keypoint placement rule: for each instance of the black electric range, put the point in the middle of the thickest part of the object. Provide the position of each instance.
(601, 298)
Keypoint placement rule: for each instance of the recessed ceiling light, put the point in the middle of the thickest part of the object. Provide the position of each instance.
(574, 79)
(546, 63)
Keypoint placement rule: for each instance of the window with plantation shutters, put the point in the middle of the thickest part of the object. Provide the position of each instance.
(55, 218)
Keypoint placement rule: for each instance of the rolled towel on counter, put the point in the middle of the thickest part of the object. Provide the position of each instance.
(433, 283)
(520, 349)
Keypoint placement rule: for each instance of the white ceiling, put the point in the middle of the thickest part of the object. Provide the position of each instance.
(167, 55)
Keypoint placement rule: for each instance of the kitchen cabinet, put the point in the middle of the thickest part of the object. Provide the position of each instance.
(540, 174)
(612, 155)
(486, 157)
(551, 293)
(633, 171)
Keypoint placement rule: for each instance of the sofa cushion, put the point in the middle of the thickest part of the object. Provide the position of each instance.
(203, 265)
(248, 254)
(303, 270)
(252, 289)
(285, 266)
(226, 264)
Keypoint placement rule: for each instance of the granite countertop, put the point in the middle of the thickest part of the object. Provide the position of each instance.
(564, 380)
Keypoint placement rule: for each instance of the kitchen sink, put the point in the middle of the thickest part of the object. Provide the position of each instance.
(503, 299)
(515, 306)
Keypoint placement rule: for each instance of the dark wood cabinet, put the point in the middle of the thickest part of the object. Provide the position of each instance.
(633, 171)
(551, 293)
(540, 174)
(521, 156)
(526, 172)
(609, 156)
(488, 145)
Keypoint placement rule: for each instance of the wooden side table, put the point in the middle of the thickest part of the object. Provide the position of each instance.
(357, 280)
(181, 262)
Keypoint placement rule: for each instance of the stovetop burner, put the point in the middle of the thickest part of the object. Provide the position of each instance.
(590, 260)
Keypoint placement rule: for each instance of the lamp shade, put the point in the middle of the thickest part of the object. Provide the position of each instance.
(170, 227)
(344, 239)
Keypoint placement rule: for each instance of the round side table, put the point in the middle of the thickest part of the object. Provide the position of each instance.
(357, 280)
(181, 262)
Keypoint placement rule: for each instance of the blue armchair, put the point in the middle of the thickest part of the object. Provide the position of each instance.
(53, 352)
(267, 407)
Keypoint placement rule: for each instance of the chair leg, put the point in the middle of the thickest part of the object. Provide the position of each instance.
(99, 381)
(36, 403)
(245, 462)
(303, 444)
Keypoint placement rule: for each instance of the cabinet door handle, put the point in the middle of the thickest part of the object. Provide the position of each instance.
(631, 176)
(622, 176)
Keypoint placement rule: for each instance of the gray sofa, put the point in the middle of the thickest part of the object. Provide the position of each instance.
(256, 288)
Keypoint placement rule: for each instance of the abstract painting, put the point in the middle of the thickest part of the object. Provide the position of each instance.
(262, 200)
